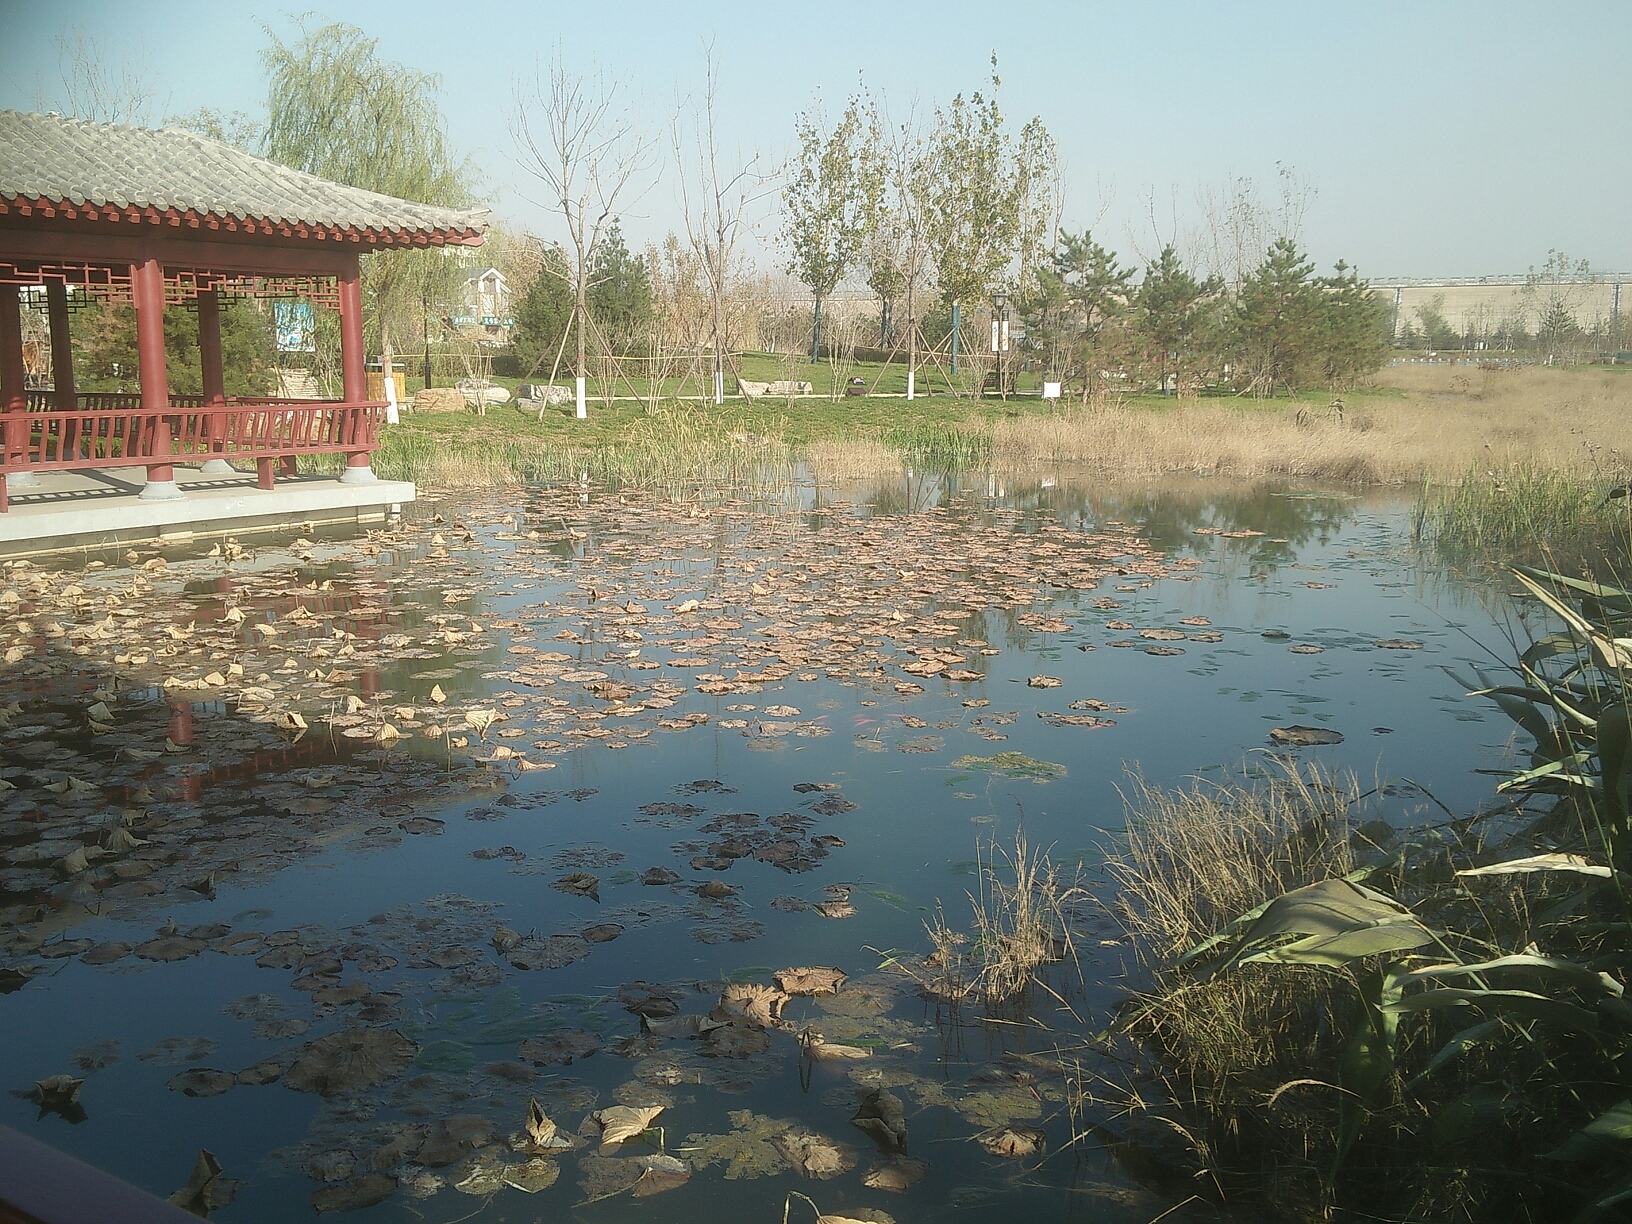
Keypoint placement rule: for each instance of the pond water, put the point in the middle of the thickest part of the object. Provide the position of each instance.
(253, 921)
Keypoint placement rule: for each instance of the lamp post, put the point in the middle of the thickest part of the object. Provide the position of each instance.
(1000, 334)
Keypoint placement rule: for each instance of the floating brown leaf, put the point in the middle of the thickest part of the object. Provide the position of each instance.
(895, 1173)
(206, 1189)
(662, 1172)
(535, 1175)
(202, 1082)
(881, 1117)
(811, 981)
(581, 884)
(349, 1060)
(355, 1193)
(751, 1003)
(450, 1138)
(622, 1122)
(1013, 1141)
(560, 1046)
(814, 1156)
(1304, 737)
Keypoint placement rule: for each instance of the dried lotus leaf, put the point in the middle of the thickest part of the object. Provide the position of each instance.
(206, 1190)
(540, 1129)
(684, 1026)
(202, 1082)
(734, 1041)
(537, 1174)
(827, 1051)
(895, 1173)
(331, 1166)
(603, 1176)
(349, 1060)
(622, 1122)
(169, 948)
(751, 1003)
(560, 1046)
(354, 1193)
(882, 1118)
(662, 1172)
(811, 981)
(1013, 1141)
(450, 1138)
(581, 884)
(815, 1157)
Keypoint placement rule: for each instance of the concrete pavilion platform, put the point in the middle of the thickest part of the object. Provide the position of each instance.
(101, 508)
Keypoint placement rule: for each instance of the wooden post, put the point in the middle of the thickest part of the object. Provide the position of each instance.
(354, 379)
(62, 348)
(215, 383)
(14, 426)
(147, 290)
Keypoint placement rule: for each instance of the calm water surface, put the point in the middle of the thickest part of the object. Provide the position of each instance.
(313, 848)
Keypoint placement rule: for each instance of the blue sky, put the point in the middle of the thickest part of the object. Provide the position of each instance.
(1438, 138)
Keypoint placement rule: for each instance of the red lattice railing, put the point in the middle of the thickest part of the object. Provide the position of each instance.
(114, 431)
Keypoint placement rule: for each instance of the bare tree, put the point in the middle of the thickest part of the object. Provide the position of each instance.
(719, 201)
(904, 228)
(1236, 226)
(575, 136)
(104, 88)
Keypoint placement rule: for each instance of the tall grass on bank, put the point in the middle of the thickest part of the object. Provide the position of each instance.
(1528, 513)
(1347, 1020)
(681, 445)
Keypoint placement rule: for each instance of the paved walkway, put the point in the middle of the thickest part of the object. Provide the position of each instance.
(96, 509)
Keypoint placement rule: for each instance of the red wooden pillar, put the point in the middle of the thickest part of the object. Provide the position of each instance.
(147, 289)
(215, 382)
(353, 377)
(66, 396)
(14, 426)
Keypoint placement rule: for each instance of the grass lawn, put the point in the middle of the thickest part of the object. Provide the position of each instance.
(1411, 425)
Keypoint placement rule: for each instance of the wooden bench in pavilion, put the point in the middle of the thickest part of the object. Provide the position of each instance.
(147, 217)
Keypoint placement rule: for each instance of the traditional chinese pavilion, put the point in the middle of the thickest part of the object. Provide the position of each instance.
(150, 217)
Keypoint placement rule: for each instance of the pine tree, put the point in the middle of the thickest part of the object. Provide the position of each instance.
(1171, 317)
(620, 292)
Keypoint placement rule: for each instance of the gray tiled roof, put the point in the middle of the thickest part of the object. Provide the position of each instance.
(53, 158)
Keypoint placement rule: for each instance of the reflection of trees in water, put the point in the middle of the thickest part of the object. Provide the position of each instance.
(1169, 516)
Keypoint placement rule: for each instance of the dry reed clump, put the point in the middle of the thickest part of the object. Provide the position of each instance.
(1019, 926)
(1217, 1048)
(1556, 420)
(1193, 860)
(1023, 915)
(834, 460)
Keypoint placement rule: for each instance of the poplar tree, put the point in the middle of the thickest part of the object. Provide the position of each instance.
(832, 199)
(990, 198)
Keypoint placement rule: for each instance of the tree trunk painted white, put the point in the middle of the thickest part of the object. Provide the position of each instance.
(583, 411)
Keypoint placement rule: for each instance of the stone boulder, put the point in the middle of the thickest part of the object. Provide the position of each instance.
(532, 396)
(789, 388)
(752, 390)
(478, 392)
(439, 399)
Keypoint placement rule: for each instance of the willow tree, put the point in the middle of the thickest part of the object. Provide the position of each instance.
(336, 109)
(990, 199)
(831, 199)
